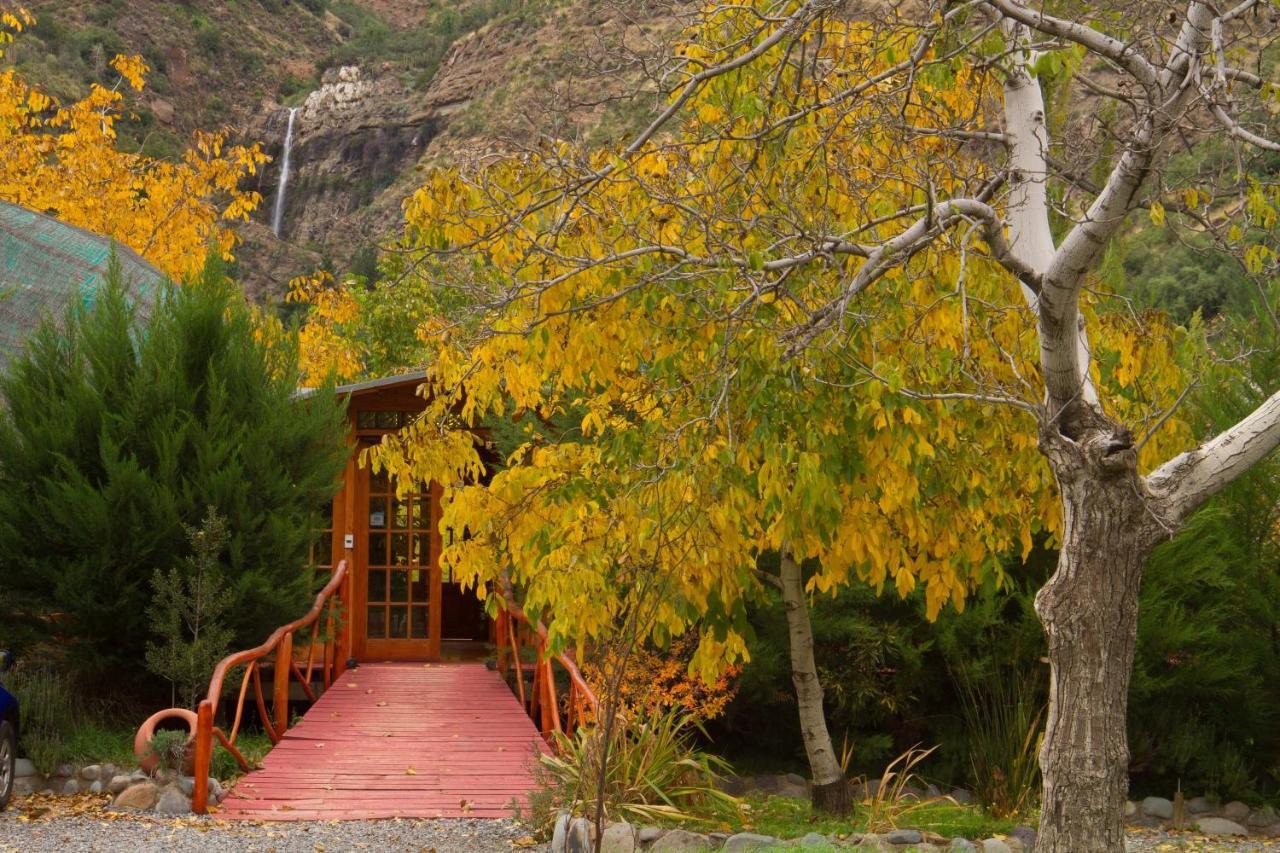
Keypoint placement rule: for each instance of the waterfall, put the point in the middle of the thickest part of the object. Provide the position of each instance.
(277, 210)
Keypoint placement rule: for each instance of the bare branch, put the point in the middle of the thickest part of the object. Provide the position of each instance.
(1100, 43)
(1188, 480)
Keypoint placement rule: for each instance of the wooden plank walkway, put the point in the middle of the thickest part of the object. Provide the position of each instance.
(398, 740)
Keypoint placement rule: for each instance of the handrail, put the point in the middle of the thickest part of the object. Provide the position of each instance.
(280, 643)
(542, 696)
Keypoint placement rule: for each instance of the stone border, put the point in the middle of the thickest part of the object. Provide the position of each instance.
(577, 835)
(165, 793)
(1234, 819)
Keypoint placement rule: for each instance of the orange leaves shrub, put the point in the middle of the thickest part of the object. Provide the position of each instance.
(659, 680)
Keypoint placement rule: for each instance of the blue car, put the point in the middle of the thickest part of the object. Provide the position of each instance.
(8, 735)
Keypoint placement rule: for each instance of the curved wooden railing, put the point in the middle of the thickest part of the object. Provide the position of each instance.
(280, 646)
(515, 630)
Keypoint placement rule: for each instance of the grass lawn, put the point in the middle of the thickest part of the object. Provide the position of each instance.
(93, 742)
(783, 817)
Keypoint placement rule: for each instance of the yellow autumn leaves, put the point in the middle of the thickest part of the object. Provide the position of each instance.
(629, 318)
(65, 160)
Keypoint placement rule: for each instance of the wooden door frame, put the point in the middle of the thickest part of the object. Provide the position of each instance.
(362, 647)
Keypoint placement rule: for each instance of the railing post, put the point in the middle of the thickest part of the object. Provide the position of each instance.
(280, 699)
(330, 645)
(203, 758)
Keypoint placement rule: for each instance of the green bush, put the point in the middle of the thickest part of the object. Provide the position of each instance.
(117, 430)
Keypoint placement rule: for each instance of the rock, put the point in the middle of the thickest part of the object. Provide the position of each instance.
(1235, 810)
(734, 786)
(560, 834)
(681, 841)
(765, 784)
(139, 775)
(1264, 816)
(813, 839)
(118, 783)
(95, 787)
(581, 837)
(1220, 826)
(932, 791)
(215, 789)
(870, 789)
(618, 838)
(792, 792)
(910, 792)
(25, 786)
(995, 845)
(648, 834)
(1157, 807)
(140, 796)
(64, 770)
(91, 773)
(70, 787)
(108, 772)
(187, 785)
(1199, 805)
(173, 801)
(904, 836)
(24, 767)
(795, 779)
(961, 796)
(163, 110)
(1130, 808)
(166, 777)
(958, 844)
(1026, 835)
(748, 841)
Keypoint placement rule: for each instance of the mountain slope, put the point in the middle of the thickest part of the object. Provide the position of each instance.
(382, 86)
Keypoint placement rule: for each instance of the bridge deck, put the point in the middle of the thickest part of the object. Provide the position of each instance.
(398, 740)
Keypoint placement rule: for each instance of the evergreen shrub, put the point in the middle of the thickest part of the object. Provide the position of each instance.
(117, 430)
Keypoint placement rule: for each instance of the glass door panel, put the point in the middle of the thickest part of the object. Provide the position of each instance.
(398, 590)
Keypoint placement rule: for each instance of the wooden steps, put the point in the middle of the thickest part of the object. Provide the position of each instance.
(398, 740)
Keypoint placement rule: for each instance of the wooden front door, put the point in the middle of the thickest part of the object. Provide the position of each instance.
(397, 577)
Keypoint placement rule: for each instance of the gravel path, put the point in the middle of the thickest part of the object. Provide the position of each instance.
(1158, 841)
(94, 828)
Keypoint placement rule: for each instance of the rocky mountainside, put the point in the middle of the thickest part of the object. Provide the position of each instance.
(380, 88)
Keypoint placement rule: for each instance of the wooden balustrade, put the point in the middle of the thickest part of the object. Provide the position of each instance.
(516, 631)
(279, 646)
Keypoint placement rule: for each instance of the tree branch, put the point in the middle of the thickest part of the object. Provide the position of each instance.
(1100, 43)
(1189, 479)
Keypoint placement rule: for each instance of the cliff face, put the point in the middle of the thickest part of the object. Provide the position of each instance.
(353, 137)
(361, 137)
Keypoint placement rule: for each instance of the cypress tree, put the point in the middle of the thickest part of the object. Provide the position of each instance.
(119, 431)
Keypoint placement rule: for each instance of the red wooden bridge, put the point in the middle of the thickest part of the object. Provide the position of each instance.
(403, 739)
(398, 740)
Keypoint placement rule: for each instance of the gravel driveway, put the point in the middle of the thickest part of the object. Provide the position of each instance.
(26, 829)
(1158, 841)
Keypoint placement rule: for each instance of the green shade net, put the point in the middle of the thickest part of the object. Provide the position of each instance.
(44, 264)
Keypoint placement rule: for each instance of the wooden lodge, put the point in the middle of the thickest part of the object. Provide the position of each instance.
(398, 603)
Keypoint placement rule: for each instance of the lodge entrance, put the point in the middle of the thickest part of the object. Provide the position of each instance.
(399, 605)
(407, 607)
(397, 570)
